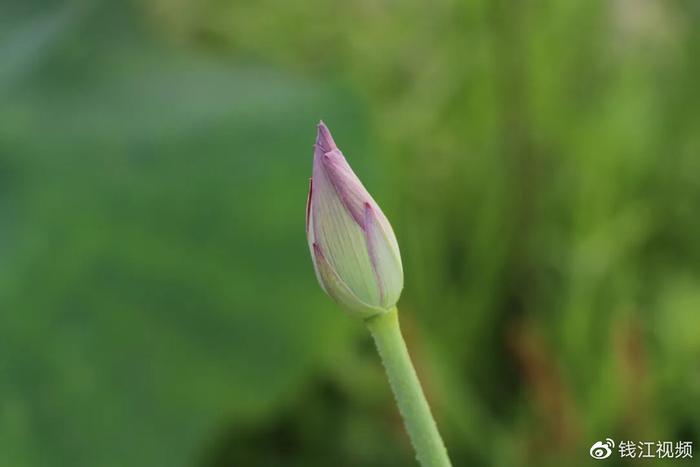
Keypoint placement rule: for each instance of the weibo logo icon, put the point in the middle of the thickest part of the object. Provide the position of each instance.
(602, 450)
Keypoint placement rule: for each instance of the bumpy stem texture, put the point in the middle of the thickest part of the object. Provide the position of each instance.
(419, 422)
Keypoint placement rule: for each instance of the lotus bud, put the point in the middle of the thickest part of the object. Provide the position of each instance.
(353, 247)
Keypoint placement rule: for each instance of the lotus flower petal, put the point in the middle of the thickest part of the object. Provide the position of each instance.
(334, 286)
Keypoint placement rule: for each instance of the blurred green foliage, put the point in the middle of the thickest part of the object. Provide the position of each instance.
(540, 162)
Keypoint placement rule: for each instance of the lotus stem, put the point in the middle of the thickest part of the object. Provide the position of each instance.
(415, 411)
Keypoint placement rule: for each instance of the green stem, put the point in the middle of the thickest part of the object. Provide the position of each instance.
(419, 422)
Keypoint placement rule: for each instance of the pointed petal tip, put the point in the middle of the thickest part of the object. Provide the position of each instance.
(324, 140)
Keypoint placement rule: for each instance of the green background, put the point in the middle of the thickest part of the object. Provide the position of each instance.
(540, 163)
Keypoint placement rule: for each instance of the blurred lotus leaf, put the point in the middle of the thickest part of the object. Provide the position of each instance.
(147, 198)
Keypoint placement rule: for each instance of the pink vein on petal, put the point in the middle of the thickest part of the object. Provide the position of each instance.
(350, 191)
(370, 223)
(322, 181)
(308, 204)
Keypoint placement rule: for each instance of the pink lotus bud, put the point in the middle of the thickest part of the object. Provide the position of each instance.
(353, 247)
